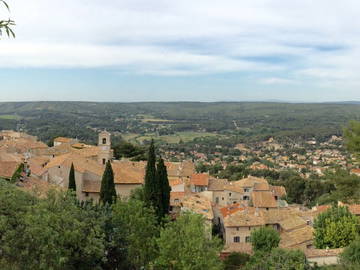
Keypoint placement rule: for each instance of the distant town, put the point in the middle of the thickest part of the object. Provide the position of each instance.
(233, 208)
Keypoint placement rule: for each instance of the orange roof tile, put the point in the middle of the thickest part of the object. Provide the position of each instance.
(228, 210)
(200, 179)
(8, 168)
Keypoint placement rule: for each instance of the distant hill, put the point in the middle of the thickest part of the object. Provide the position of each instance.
(250, 120)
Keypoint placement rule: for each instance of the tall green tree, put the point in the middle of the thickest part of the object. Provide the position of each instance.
(265, 239)
(135, 230)
(151, 188)
(335, 228)
(352, 138)
(186, 244)
(72, 182)
(164, 188)
(108, 191)
(6, 25)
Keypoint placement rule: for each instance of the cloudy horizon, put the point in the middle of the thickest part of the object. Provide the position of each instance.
(137, 50)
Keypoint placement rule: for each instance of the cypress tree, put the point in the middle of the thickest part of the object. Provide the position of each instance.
(72, 183)
(164, 188)
(151, 186)
(108, 191)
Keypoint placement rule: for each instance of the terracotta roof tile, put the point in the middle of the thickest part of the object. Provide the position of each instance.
(7, 168)
(263, 199)
(200, 179)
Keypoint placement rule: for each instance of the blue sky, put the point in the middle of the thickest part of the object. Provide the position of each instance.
(165, 50)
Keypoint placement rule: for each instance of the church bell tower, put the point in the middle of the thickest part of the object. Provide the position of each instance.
(105, 153)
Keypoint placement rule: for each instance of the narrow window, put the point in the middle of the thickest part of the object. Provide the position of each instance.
(104, 161)
(104, 140)
(248, 239)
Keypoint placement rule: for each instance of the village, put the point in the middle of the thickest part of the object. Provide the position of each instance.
(231, 208)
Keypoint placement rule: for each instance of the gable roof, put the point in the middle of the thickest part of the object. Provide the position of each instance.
(217, 184)
(8, 168)
(200, 179)
(263, 199)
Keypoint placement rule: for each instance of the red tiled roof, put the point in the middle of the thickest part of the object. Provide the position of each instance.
(200, 179)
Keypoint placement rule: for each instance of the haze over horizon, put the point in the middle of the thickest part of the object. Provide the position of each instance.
(157, 50)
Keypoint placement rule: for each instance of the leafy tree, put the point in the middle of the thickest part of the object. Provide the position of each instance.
(347, 187)
(280, 259)
(135, 230)
(352, 137)
(351, 255)
(335, 228)
(108, 191)
(186, 244)
(55, 234)
(265, 239)
(164, 188)
(128, 150)
(6, 25)
(235, 260)
(151, 185)
(72, 182)
(295, 187)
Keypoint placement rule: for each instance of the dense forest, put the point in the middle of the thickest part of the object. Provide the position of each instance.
(247, 121)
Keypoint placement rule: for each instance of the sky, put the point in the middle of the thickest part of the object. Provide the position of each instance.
(171, 50)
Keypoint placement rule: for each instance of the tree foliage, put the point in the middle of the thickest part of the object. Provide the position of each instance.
(136, 230)
(108, 191)
(352, 138)
(351, 255)
(72, 182)
(186, 244)
(164, 189)
(6, 25)
(265, 239)
(279, 259)
(335, 228)
(151, 186)
(235, 260)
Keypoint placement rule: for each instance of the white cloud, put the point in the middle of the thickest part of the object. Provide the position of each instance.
(276, 81)
(309, 40)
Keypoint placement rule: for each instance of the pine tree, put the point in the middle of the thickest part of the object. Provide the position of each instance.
(151, 185)
(164, 188)
(108, 191)
(72, 183)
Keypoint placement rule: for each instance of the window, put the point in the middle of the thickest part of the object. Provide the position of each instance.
(217, 200)
(247, 239)
(234, 202)
(237, 239)
(229, 194)
(238, 229)
(276, 197)
(246, 198)
(86, 194)
(246, 190)
(249, 228)
(104, 161)
(176, 201)
(104, 140)
(222, 198)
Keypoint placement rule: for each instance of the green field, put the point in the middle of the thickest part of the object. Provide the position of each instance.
(10, 117)
(184, 136)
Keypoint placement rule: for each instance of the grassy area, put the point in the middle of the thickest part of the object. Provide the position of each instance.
(184, 136)
(10, 117)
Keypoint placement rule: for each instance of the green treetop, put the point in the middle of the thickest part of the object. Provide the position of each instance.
(265, 239)
(335, 228)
